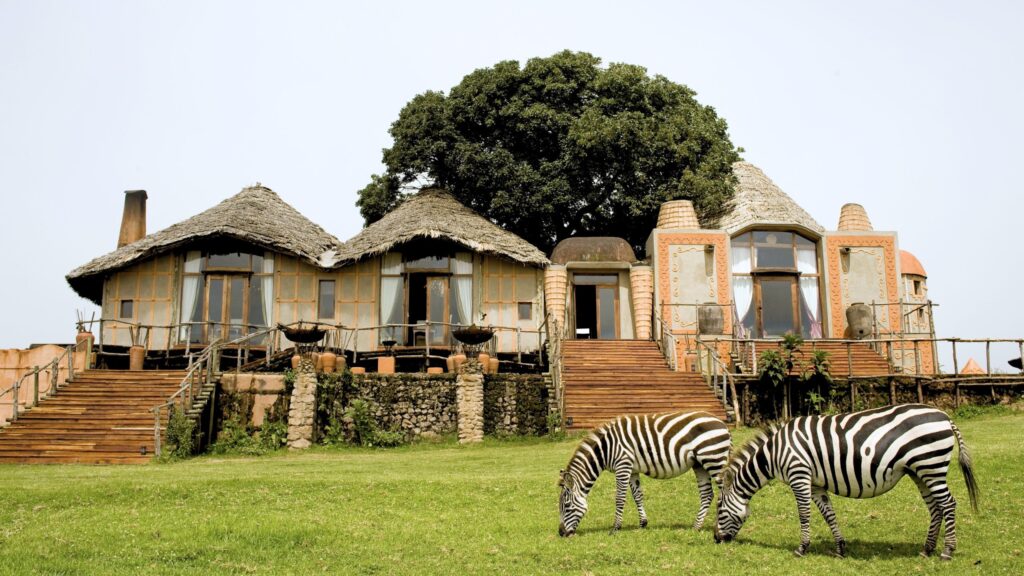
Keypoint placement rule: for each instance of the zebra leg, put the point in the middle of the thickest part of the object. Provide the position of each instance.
(935, 511)
(638, 497)
(824, 504)
(801, 486)
(707, 494)
(622, 476)
(948, 507)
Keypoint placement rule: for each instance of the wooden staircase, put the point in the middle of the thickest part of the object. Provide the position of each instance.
(861, 361)
(103, 417)
(605, 378)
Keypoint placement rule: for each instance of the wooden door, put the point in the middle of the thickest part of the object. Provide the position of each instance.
(226, 300)
(777, 305)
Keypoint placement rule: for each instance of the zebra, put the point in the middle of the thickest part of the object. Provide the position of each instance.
(658, 445)
(858, 455)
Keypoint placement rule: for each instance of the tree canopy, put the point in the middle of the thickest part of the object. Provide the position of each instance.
(560, 147)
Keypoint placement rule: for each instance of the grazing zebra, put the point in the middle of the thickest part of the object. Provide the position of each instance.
(658, 445)
(859, 455)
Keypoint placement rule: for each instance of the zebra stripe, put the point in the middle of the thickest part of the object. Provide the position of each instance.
(657, 445)
(858, 455)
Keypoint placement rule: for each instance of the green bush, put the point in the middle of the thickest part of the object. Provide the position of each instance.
(181, 435)
(366, 431)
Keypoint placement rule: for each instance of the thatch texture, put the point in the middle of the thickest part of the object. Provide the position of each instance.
(759, 202)
(256, 215)
(436, 214)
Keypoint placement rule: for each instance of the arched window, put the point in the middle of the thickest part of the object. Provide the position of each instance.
(776, 284)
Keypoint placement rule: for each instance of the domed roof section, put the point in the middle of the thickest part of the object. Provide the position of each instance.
(436, 213)
(909, 264)
(593, 249)
(256, 215)
(759, 202)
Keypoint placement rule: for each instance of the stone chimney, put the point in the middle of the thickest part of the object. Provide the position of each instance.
(133, 221)
(853, 218)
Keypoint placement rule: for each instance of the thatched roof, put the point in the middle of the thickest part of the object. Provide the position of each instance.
(256, 215)
(759, 202)
(436, 214)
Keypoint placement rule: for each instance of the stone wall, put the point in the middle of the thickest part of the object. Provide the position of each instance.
(416, 404)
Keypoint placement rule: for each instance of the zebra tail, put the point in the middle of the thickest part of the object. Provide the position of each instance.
(967, 468)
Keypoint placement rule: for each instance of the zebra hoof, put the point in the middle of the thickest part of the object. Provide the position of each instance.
(946, 555)
(799, 552)
(643, 522)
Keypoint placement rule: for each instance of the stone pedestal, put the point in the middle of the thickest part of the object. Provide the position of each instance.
(302, 409)
(469, 397)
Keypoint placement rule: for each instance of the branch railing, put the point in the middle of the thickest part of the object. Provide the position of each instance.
(718, 376)
(556, 335)
(201, 370)
(67, 355)
(666, 340)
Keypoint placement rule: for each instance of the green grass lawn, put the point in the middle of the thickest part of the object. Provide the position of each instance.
(486, 509)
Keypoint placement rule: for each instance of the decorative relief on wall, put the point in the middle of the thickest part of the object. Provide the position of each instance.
(839, 271)
(672, 251)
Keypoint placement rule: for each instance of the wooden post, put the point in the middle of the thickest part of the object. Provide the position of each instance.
(35, 387)
(917, 357)
(988, 357)
(14, 399)
(853, 394)
(956, 394)
(920, 392)
(156, 433)
(849, 359)
(956, 366)
(892, 390)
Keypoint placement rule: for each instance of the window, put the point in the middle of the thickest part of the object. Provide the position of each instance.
(127, 311)
(917, 287)
(325, 300)
(526, 311)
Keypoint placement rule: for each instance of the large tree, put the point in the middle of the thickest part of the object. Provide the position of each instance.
(560, 147)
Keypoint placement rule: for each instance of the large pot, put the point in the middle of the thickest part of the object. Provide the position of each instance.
(329, 362)
(710, 319)
(858, 318)
(136, 357)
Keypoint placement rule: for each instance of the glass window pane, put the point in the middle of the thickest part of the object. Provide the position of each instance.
(256, 316)
(428, 263)
(215, 306)
(287, 287)
(525, 310)
(127, 310)
(777, 307)
(437, 294)
(306, 286)
(595, 279)
(348, 286)
(606, 303)
(325, 298)
(366, 288)
(233, 260)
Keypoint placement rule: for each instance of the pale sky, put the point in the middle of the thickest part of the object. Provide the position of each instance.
(912, 109)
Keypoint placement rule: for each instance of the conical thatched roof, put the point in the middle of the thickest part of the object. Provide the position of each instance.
(433, 213)
(759, 202)
(255, 215)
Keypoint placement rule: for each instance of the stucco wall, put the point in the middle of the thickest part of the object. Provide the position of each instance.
(867, 273)
(15, 363)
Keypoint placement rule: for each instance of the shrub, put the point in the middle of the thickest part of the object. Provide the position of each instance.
(181, 434)
(366, 431)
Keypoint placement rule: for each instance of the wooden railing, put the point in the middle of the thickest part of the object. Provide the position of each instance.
(202, 369)
(718, 376)
(53, 366)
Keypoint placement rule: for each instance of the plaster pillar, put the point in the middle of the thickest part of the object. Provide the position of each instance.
(302, 410)
(469, 400)
(641, 283)
(556, 280)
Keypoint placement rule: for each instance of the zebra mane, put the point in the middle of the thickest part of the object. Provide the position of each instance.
(742, 453)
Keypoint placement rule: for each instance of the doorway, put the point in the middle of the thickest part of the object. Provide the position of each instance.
(226, 305)
(428, 301)
(596, 306)
(777, 299)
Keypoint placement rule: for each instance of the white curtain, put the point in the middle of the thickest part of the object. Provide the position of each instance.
(741, 260)
(391, 263)
(743, 297)
(392, 298)
(189, 293)
(463, 263)
(806, 259)
(461, 299)
(809, 295)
